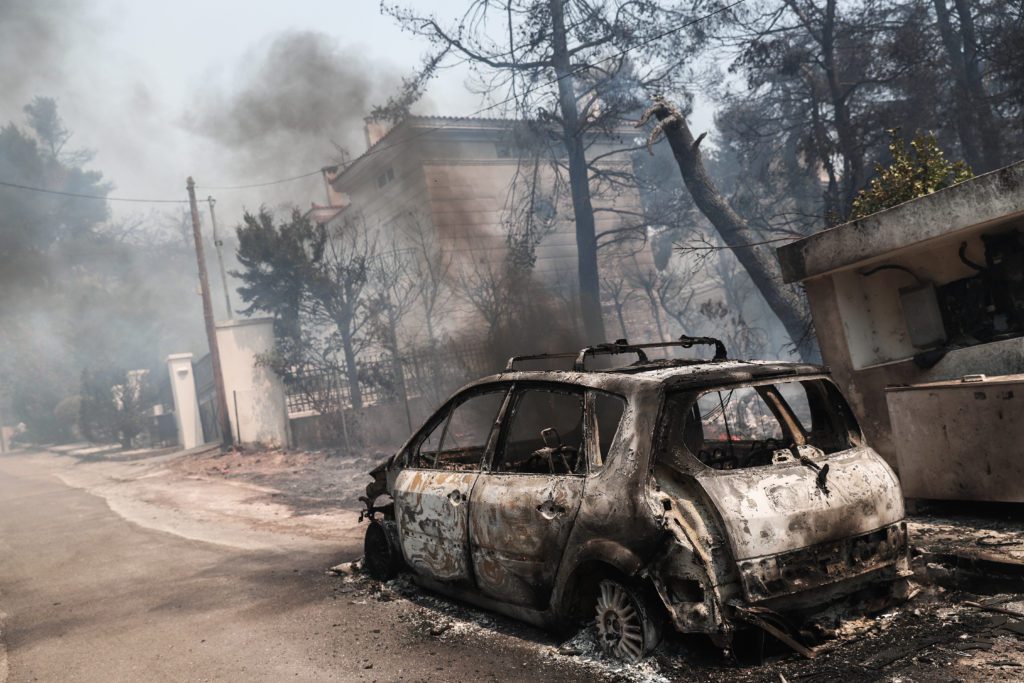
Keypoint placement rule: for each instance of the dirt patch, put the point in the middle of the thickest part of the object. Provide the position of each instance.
(309, 482)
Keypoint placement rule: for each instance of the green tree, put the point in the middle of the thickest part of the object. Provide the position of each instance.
(115, 405)
(329, 292)
(78, 289)
(912, 173)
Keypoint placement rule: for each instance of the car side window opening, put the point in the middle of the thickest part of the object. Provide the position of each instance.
(755, 426)
(608, 411)
(426, 452)
(545, 434)
(458, 441)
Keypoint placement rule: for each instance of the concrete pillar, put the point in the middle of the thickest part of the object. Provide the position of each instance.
(257, 403)
(186, 403)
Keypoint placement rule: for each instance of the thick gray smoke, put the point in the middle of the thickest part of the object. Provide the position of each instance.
(294, 100)
(34, 41)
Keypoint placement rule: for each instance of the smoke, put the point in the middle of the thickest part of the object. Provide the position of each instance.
(34, 41)
(295, 101)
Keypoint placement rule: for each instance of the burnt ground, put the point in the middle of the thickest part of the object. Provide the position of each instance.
(962, 555)
(307, 481)
(935, 637)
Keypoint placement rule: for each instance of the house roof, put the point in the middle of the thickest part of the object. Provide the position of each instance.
(431, 123)
(988, 198)
(428, 124)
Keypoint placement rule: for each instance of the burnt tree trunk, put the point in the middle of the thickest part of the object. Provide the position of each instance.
(759, 259)
(979, 136)
(850, 148)
(579, 181)
(355, 392)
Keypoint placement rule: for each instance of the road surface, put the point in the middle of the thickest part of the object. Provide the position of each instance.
(134, 571)
(86, 595)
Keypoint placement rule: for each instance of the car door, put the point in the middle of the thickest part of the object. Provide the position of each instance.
(432, 491)
(524, 506)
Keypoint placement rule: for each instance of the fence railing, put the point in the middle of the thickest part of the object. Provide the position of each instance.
(425, 372)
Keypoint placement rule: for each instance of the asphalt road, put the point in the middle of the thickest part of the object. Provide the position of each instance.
(88, 596)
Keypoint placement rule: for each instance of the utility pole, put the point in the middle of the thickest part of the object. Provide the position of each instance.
(3, 440)
(217, 244)
(223, 419)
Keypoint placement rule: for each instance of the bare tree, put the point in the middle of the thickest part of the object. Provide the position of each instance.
(619, 295)
(484, 286)
(976, 123)
(678, 286)
(430, 267)
(571, 66)
(644, 279)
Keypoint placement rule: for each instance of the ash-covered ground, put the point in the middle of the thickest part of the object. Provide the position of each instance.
(963, 557)
(308, 481)
(934, 637)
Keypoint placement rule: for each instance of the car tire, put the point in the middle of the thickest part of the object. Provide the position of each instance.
(629, 621)
(380, 556)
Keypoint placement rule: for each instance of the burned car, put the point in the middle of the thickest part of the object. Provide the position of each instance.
(709, 495)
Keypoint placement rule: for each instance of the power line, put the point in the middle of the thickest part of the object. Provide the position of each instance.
(264, 184)
(79, 195)
(495, 105)
(572, 72)
(375, 150)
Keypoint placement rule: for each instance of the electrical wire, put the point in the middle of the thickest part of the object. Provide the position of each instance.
(572, 72)
(378, 149)
(264, 184)
(79, 195)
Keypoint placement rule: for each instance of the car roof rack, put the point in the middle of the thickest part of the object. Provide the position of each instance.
(620, 346)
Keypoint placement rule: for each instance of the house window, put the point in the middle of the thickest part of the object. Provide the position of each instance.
(385, 177)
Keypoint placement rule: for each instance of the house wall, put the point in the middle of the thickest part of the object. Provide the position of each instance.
(255, 395)
(864, 340)
(457, 183)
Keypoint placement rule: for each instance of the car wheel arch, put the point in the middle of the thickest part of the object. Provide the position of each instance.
(596, 559)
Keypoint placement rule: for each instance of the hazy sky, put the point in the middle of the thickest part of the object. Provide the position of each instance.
(162, 90)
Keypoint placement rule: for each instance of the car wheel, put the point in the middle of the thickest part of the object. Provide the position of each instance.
(628, 621)
(380, 557)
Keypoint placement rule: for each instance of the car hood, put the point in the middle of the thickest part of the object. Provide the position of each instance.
(784, 507)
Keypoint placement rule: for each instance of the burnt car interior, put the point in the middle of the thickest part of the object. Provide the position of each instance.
(760, 425)
(458, 439)
(545, 434)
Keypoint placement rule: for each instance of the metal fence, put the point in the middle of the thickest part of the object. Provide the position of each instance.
(425, 372)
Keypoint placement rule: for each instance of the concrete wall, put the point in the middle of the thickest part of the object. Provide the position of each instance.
(859, 320)
(186, 403)
(864, 385)
(255, 395)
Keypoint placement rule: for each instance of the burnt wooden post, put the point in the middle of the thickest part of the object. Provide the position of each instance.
(223, 418)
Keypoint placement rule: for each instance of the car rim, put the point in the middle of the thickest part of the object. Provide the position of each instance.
(619, 622)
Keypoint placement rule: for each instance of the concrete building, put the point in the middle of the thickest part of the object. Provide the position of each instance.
(929, 291)
(464, 182)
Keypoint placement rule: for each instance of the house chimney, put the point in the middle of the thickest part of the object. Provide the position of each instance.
(374, 129)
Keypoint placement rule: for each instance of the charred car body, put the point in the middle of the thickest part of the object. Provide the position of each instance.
(708, 494)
